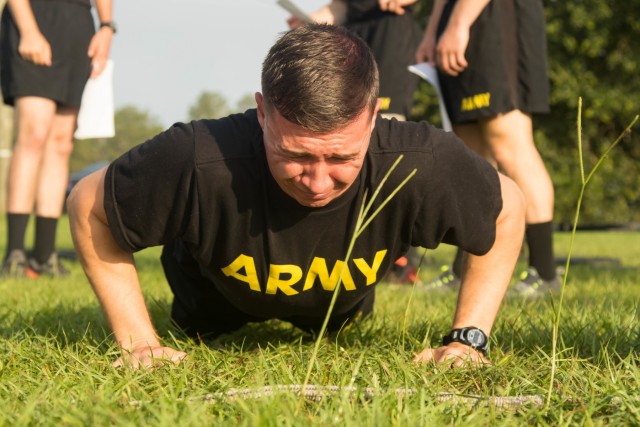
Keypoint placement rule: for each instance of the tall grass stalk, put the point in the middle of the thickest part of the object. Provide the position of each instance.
(362, 222)
(583, 185)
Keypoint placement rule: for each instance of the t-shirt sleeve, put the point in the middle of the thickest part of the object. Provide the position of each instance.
(463, 198)
(150, 191)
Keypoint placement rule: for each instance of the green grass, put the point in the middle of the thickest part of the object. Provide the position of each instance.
(56, 355)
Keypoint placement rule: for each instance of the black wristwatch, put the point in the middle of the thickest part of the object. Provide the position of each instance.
(109, 24)
(471, 336)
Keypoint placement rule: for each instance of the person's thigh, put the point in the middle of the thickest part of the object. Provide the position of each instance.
(510, 137)
(471, 134)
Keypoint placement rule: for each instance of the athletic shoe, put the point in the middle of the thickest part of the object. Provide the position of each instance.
(532, 285)
(446, 280)
(403, 272)
(53, 267)
(16, 265)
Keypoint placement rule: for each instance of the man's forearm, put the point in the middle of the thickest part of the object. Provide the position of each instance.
(486, 277)
(111, 271)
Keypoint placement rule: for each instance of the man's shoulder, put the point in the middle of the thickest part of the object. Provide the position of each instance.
(234, 136)
(408, 136)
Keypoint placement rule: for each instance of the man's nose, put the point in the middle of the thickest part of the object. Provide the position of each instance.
(316, 177)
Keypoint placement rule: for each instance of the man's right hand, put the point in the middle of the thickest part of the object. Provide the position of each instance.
(150, 357)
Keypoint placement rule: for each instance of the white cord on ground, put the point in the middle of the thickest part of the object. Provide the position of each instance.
(317, 393)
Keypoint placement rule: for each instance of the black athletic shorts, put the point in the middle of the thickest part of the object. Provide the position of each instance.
(68, 27)
(393, 39)
(507, 57)
(203, 312)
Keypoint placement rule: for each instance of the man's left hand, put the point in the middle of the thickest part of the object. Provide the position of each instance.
(455, 354)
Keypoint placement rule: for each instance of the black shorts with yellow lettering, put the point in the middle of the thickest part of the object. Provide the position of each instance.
(393, 39)
(68, 27)
(507, 63)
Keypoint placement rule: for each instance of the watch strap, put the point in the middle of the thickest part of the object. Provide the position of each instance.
(109, 24)
(468, 336)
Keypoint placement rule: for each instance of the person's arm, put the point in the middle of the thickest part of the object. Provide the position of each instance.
(485, 280)
(395, 6)
(427, 49)
(113, 276)
(450, 49)
(101, 41)
(33, 46)
(335, 13)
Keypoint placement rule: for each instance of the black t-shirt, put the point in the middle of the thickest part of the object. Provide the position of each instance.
(207, 184)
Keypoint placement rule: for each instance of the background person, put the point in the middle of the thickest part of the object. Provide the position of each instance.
(256, 210)
(492, 65)
(48, 50)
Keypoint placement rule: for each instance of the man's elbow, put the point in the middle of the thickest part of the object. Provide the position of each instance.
(85, 199)
(513, 204)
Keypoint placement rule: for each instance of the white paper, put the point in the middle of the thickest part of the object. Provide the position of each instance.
(294, 10)
(430, 74)
(95, 119)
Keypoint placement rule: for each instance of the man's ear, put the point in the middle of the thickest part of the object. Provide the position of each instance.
(260, 104)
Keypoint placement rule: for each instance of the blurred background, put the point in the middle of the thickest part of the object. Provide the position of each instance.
(178, 60)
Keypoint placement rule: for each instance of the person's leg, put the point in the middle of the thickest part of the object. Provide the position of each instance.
(34, 117)
(510, 138)
(52, 183)
(473, 137)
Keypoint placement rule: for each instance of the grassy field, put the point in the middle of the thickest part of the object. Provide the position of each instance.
(56, 355)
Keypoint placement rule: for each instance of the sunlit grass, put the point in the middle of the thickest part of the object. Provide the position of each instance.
(56, 355)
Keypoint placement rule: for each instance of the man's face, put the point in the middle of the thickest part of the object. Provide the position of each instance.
(314, 169)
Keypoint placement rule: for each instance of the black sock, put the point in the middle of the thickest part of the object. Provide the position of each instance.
(457, 263)
(540, 242)
(45, 238)
(16, 229)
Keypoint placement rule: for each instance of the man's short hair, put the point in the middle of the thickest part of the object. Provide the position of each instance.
(320, 77)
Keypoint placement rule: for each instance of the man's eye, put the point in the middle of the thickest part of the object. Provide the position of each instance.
(340, 159)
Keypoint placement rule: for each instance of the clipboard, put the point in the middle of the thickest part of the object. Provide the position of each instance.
(294, 10)
(429, 73)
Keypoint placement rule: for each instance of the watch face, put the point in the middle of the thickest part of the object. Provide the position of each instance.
(476, 337)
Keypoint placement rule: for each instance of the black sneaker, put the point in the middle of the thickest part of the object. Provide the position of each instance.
(16, 265)
(446, 280)
(53, 267)
(403, 272)
(532, 285)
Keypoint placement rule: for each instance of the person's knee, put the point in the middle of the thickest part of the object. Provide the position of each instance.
(61, 142)
(509, 136)
(32, 136)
